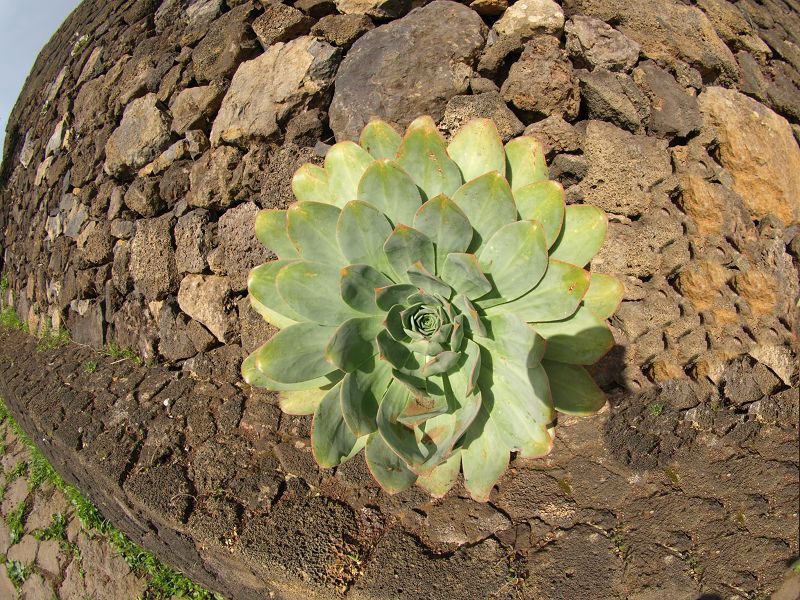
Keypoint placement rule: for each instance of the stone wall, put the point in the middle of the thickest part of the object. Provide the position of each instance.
(149, 134)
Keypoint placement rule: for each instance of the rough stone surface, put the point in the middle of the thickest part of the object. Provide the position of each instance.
(214, 178)
(373, 80)
(206, 298)
(192, 241)
(143, 197)
(528, 17)
(152, 262)
(759, 150)
(555, 134)
(342, 30)
(623, 169)
(230, 40)
(380, 9)
(280, 23)
(592, 43)
(193, 108)
(541, 82)
(672, 111)
(614, 97)
(237, 238)
(488, 105)
(268, 89)
(140, 137)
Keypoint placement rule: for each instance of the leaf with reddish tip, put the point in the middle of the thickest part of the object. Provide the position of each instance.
(581, 236)
(390, 189)
(478, 149)
(312, 289)
(488, 204)
(542, 201)
(361, 231)
(423, 155)
(404, 247)
(265, 298)
(359, 286)
(310, 226)
(437, 482)
(362, 391)
(464, 274)
(604, 295)
(386, 467)
(353, 343)
(345, 164)
(310, 184)
(446, 225)
(484, 456)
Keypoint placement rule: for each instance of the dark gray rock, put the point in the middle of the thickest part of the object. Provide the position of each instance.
(613, 97)
(673, 112)
(307, 128)
(498, 52)
(406, 68)
(592, 43)
(242, 250)
(85, 323)
(342, 30)
(316, 8)
(153, 258)
(195, 108)
(280, 23)
(95, 243)
(143, 197)
(174, 342)
(490, 105)
(192, 241)
(541, 82)
(229, 41)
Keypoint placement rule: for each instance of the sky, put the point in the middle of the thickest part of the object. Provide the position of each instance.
(25, 27)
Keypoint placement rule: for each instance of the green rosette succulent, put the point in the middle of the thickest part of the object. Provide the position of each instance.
(433, 304)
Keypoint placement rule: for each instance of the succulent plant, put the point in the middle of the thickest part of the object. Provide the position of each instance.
(433, 304)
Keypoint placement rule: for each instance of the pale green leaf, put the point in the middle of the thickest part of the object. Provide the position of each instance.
(556, 296)
(464, 274)
(362, 391)
(511, 339)
(353, 343)
(386, 467)
(488, 205)
(423, 155)
(542, 201)
(405, 246)
(418, 275)
(389, 296)
(268, 302)
(484, 456)
(515, 259)
(301, 402)
(581, 236)
(604, 295)
(446, 225)
(380, 139)
(271, 231)
(391, 190)
(313, 290)
(361, 231)
(311, 227)
(310, 184)
(296, 354)
(400, 439)
(438, 481)
(478, 149)
(360, 285)
(574, 390)
(345, 164)
(252, 376)
(331, 439)
(525, 162)
(581, 339)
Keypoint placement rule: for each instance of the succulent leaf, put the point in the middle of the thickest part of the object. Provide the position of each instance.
(361, 231)
(556, 296)
(406, 246)
(574, 390)
(525, 162)
(419, 276)
(399, 438)
(580, 339)
(312, 289)
(296, 353)
(542, 201)
(271, 231)
(359, 286)
(264, 296)
(353, 343)
(484, 456)
(301, 402)
(513, 340)
(438, 481)
(309, 225)
(331, 439)
(604, 295)
(515, 258)
(581, 236)
(446, 225)
(464, 274)
(389, 188)
(310, 184)
(361, 393)
(488, 204)
(253, 376)
(345, 163)
(386, 467)
(423, 155)
(380, 139)
(478, 149)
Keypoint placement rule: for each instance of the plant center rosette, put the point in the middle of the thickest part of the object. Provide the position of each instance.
(433, 305)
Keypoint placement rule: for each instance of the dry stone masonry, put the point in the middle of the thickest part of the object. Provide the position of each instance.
(151, 132)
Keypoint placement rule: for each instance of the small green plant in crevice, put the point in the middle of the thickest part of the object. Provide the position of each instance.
(4, 282)
(434, 305)
(656, 409)
(19, 469)
(10, 319)
(50, 340)
(15, 520)
(57, 530)
(90, 366)
(17, 571)
(163, 581)
(115, 351)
